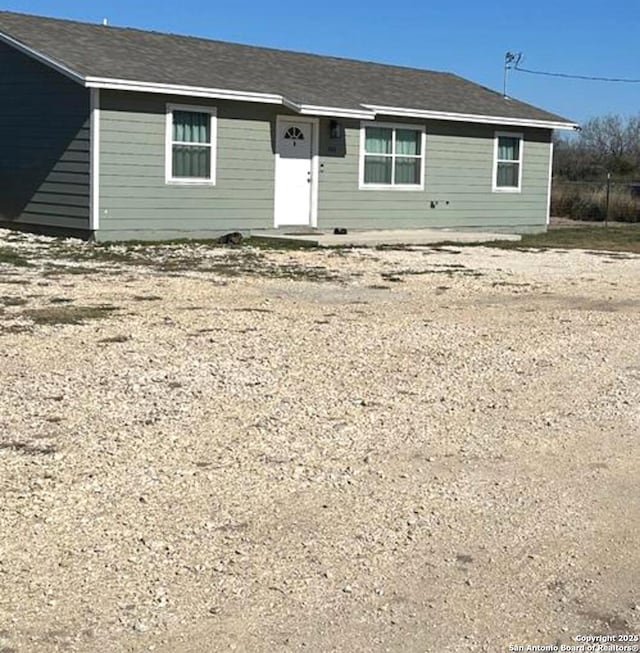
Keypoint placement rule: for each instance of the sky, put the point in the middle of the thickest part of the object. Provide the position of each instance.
(467, 37)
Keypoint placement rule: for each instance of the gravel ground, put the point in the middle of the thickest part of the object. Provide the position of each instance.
(209, 449)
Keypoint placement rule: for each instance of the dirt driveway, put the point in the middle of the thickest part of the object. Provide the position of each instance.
(430, 450)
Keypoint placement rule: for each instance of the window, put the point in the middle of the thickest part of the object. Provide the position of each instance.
(190, 145)
(294, 133)
(507, 168)
(392, 156)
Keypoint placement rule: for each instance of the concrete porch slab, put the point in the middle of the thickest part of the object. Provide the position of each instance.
(380, 237)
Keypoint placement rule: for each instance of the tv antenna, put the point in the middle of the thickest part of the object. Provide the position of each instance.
(511, 60)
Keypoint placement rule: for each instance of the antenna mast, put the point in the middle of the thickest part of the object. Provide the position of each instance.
(511, 60)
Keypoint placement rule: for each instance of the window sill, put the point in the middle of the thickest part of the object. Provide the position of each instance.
(190, 182)
(411, 189)
(507, 190)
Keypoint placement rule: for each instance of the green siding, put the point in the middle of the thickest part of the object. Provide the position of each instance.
(44, 146)
(135, 202)
(459, 168)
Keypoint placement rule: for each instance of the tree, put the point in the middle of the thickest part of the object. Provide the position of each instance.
(606, 143)
(571, 160)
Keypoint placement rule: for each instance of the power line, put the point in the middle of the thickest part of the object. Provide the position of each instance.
(512, 61)
(568, 76)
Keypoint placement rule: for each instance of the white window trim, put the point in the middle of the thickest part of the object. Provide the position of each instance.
(494, 180)
(393, 187)
(94, 148)
(168, 154)
(549, 182)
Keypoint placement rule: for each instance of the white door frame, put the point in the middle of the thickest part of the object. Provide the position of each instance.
(315, 165)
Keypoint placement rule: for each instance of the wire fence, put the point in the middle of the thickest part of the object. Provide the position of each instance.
(596, 200)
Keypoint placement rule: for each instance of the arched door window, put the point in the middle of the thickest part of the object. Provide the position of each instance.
(294, 134)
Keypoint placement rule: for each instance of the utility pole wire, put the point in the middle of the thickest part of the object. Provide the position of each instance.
(568, 76)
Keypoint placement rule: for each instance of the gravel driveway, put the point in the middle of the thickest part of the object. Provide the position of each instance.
(209, 449)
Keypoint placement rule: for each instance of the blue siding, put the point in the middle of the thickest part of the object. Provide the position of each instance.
(44, 145)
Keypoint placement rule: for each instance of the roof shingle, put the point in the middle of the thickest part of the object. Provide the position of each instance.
(131, 54)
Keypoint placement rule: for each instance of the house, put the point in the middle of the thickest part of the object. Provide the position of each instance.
(120, 134)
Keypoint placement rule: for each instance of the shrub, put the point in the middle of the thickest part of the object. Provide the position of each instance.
(588, 201)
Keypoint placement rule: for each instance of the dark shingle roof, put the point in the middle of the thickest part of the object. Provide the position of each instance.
(98, 51)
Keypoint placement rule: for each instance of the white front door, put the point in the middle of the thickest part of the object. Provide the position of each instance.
(294, 172)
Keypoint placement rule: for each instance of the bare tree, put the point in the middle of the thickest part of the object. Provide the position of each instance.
(605, 143)
(570, 160)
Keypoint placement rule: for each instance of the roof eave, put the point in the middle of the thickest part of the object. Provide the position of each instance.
(367, 112)
(336, 112)
(470, 117)
(192, 91)
(226, 94)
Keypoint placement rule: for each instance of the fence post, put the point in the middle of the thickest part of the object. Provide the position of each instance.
(606, 215)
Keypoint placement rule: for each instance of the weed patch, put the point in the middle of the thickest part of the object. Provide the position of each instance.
(68, 314)
(29, 449)
(11, 257)
(448, 269)
(8, 300)
(115, 339)
(283, 244)
(15, 328)
(147, 298)
(15, 282)
(55, 270)
(252, 310)
(614, 239)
